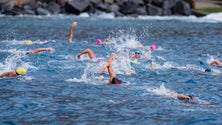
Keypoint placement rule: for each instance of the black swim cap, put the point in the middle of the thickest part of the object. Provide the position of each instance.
(116, 81)
(208, 70)
(191, 97)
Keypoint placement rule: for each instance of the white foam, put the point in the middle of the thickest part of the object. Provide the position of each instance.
(214, 16)
(210, 18)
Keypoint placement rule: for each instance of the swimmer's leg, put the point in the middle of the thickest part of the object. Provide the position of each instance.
(71, 31)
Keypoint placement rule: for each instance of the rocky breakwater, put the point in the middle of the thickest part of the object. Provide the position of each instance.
(95, 7)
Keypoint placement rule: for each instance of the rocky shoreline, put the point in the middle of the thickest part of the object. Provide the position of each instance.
(96, 7)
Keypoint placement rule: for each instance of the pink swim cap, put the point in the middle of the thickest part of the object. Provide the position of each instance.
(98, 42)
(153, 46)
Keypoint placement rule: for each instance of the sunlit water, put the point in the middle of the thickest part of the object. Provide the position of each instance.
(61, 89)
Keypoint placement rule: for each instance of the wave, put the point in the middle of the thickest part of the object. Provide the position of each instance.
(210, 18)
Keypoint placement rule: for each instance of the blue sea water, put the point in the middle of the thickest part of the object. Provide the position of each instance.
(61, 89)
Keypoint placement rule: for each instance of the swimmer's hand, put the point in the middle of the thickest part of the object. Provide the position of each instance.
(50, 49)
(100, 78)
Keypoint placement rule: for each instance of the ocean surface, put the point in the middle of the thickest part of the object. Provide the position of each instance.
(59, 88)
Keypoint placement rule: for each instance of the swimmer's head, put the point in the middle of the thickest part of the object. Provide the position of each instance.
(139, 52)
(28, 42)
(116, 81)
(21, 71)
(98, 42)
(191, 97)
(208, 70)
(153, 47)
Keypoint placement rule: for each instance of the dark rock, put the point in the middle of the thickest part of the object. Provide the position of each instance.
(42, 11)
(141, 11)
(109, 1)
(15, 11)
(148, 1)
(157, 3)
(62, 2)
(28, 12)
(153, 10)
(166, 12)
(198, 13)
(114, 8)
(118, 7)
(168, 4)
(54, 8)
(77, 6)
(128, 7)
(181, 8)
(139, 2)
(120, 2)
(103, 7)
(30, 6)
(94, 2)
(47, 1)
(191, 3)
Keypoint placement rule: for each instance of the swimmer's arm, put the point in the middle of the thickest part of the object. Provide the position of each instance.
(183, 97)
(132, 56)
(40, 50)
(4, 74)
(105, 41)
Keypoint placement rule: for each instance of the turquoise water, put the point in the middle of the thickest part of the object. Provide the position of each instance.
(61, 89)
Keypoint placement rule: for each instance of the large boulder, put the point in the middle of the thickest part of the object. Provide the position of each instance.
(42, 11)
(168, 4)
(191, 3)
(77, 6)
(109, 1)
(148, 1)
(181, 8)
(158, 3)
(153, 10)
(54, 8)
(30, 8)
(141, 11)
(127, 7)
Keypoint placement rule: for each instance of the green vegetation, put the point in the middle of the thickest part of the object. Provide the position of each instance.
(208, 6)
(210, 9)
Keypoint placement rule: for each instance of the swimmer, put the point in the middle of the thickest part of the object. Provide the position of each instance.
(40, 50)
(152, 47)
(215, 62)
(153, 65)
(99, 42)
(137, 54)
(17, 72)
(113, 79)
(174, 94)
(74, 24)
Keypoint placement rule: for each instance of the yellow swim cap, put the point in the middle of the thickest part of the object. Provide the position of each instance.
(28, 42)
(135, 61)
(21, 71)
